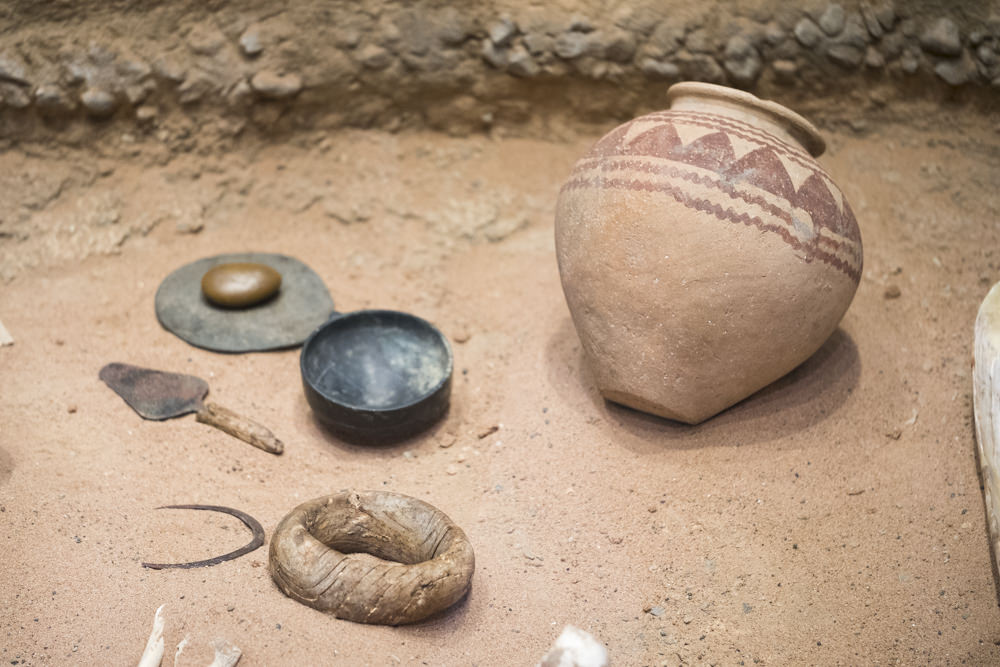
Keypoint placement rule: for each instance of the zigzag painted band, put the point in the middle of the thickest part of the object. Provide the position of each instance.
(809, 252)
(767, 140)
(762, 136)
(664, 168)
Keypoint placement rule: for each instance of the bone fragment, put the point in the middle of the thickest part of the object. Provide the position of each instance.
(575, 648)
(153, 654)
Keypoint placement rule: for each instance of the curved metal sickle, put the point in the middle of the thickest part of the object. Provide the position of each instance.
(249, 521)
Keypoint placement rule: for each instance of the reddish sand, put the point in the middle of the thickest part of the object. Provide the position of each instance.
(834, 518)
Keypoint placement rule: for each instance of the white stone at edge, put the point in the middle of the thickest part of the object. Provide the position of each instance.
(986, 392)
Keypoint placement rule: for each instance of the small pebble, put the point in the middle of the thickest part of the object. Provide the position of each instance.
(98, 102)
(276, 86)
(657, 611)
(240, 284)
(250, 42)
(892, 292)
(71, 409)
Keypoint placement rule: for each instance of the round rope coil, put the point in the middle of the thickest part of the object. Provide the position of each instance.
(371, 557)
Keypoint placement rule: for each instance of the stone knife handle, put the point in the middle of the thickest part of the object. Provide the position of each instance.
(239, 427)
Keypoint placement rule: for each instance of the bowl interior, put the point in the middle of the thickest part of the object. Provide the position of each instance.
(377, 360)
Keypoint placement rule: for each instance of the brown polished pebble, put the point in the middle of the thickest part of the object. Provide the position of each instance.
(240, 284)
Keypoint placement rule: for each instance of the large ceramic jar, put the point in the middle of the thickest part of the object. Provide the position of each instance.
(704, 252)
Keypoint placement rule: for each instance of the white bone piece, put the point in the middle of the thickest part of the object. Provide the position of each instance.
(575, 648)
(153, 654)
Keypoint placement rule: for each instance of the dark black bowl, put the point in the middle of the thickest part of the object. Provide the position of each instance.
(377, 375)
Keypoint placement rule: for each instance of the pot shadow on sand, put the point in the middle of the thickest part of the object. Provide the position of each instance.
(804, 397)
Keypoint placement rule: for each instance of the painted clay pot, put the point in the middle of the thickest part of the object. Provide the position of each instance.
(703, 251)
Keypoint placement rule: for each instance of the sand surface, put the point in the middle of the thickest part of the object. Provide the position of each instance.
(834, 518)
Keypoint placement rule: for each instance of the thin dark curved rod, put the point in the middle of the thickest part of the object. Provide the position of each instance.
(249, 521)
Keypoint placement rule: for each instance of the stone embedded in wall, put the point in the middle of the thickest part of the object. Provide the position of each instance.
(418, 35)
(886, 15)
(785, 71)
(854, 34)
(138, 93)
(665, 39)
(494, 56)
(874, 59)
(892, 45)
(250, 42)
(520, 63)
(660, 70)
(52, 100)
(808, 33)
(453, 28)
(98, 103)
(273, 86)
(502, 31)
(240, 94)
(570, 45)
(538, 43)
(845, 55)
(832, 20)
(14, 96)
(205, 40)
(942, 38)
(580, 23)
(616, 45)
(742, 61)
(774, 34)
(955, 72)
(146, 115)
(374, 57)
(699, 41)
(388, 57)
(872, 24)
(701, 67)
(196, 88)
(909, 61)
(12, 70)
(169, 69)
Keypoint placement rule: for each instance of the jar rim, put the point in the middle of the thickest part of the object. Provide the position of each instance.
(801, 129)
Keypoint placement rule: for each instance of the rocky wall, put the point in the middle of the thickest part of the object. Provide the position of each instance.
(70, 68)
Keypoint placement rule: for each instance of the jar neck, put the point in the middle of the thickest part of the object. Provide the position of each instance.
(768, 116)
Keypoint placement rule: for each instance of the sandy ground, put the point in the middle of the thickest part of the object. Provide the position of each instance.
(834, 518)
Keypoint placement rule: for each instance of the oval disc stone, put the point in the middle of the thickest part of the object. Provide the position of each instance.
(240, 284)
